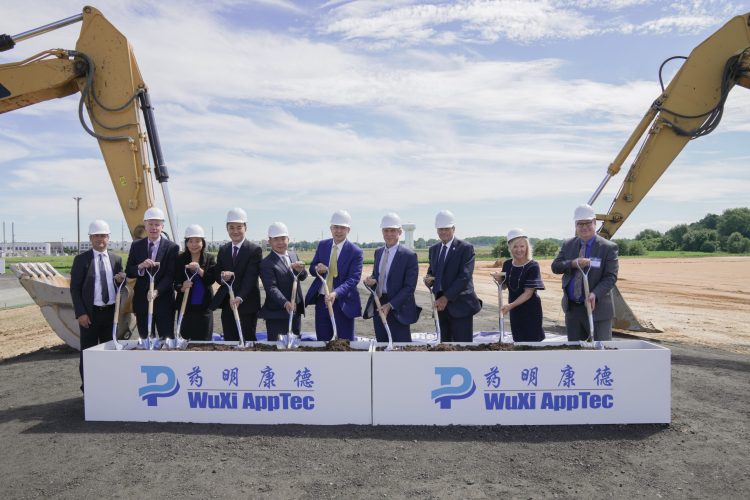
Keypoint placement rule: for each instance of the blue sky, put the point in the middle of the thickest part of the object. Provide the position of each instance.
(505, 112)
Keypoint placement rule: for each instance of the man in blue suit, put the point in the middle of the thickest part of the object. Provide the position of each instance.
(450, 276)
(157, 255)
(395, 279)
(340, 261)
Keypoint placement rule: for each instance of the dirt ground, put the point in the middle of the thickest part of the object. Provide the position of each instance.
(701, 304)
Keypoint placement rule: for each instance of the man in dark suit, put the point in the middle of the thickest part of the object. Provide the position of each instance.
(276, 273)
(157, 255)
(92, 289)
(450, 275)
(599, 255)
(238, 259)
(394, 277)
(340, 261)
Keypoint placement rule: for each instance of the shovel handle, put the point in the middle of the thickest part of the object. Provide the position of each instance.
(329, 306)
(587, 292)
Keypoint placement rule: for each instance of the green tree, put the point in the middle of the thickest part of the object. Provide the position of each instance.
(735, 220)
(694, 239)
(648, 234)
(710, 221)
(637, 248)
(736, 243)
(546, 248)
(501, 248)
(624, 246)
(676, 233)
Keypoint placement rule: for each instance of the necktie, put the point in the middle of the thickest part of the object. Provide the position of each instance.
(382, 276)
(234, 254)
(438, 285)
(578, 279)
(103, 280)
(333, 268)
(151, 250)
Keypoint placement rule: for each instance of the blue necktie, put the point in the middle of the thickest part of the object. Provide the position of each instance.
(103, 280)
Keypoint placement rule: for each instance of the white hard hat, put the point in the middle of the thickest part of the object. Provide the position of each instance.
(153, 213)
(390, 221)
(98, 227)
(516, 232)
(236, 215)
(277, 229)
(341, 218)
(194, 231)
(444, 218)
(584, 212)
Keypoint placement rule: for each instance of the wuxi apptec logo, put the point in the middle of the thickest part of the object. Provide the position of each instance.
(150, 393)
(447, 391)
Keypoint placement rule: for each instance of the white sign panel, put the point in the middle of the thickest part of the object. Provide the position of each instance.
(238, 387)
(629, 384)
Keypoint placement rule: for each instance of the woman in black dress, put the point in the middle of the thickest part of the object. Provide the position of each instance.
(522, 279)
(197, 324)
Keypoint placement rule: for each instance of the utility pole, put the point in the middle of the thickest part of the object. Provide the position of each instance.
(78, 219)
(13, 237)
(5, 249)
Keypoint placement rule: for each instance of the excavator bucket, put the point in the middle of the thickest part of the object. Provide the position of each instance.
(51, 292)
(625, 318)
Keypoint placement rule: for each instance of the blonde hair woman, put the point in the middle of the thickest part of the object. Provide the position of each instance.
(522, 279)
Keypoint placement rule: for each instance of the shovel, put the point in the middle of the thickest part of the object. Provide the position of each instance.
(435, 316)
(241, 344)
(500, 284)
(155, 343)
(382, 317)
(328, 305)
(291, 338)
(116, 319)
(181, 342)
(586, 293)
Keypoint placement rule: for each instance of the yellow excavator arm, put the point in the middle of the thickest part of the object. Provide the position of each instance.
(690, 107)
(104, 70)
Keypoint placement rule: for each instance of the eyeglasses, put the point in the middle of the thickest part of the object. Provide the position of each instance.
(584, 223)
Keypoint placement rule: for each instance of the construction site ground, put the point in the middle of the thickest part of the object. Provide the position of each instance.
(701, 304)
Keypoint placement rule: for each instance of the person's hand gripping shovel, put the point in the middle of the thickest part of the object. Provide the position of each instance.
(329, 305)
(499, 279)
(182, 343)
(116, 319)
(241, 344)
(155, 343)
(589, 311)
(383, 318)
(428, 282)
(291, 340)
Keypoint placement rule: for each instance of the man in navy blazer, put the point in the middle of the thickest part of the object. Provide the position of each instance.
(238, 259)
(450, 275)
(277, 272)
(340, 262)
(394, 277)
(92, 289)
(158, 255)
(599, 256)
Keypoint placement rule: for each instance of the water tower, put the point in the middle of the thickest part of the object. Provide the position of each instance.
(409, 234)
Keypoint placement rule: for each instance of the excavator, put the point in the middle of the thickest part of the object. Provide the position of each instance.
(690, 107)
(103, 69)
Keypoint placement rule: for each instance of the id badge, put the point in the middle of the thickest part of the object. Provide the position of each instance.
(596, 262)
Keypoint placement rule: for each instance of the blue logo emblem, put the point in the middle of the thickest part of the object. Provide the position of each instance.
(446, 393)
(150, 393)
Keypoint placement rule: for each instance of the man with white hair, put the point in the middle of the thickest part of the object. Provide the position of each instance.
(92, 289)
(340, 261)
(157, 255)
(394, 277)
(596, 256)
(450, 276)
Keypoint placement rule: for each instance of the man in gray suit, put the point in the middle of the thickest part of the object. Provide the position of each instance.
(598, 257)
